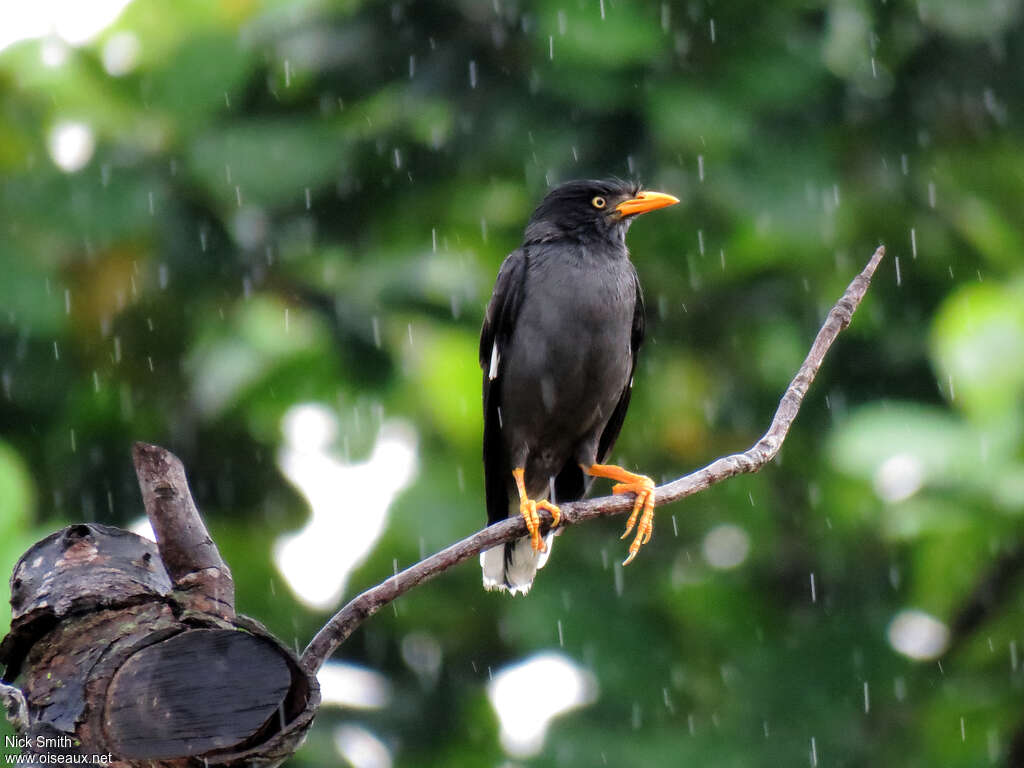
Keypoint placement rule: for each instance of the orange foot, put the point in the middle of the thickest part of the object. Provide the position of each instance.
(643, 487)
(528, 509)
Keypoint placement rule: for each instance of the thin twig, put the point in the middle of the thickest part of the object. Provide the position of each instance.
(344, 622)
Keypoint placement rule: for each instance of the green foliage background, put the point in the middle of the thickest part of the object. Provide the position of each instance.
(367, 165)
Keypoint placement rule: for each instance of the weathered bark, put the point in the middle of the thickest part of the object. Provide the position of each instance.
(124, 664)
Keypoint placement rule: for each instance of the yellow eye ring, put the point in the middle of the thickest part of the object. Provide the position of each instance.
(599, 202)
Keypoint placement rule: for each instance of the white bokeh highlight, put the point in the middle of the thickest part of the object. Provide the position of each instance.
(71, 145)
(526, 697)
(361, 748)
(899, 477)
(352, 687)
(121, 54)
(918, 635)
(726, 546)
(348, 502)
(74, 21)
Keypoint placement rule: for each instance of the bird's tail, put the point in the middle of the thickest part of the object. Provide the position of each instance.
(511, 567)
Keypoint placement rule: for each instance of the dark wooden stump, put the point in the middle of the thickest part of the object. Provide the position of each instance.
(130, 653)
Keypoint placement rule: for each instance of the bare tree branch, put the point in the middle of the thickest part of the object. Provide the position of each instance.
(345, 621)
(189, 554)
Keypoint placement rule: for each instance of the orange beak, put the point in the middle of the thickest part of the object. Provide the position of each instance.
(644, 202)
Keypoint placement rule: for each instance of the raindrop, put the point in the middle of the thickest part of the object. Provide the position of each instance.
(602, 10)
(899, 688)
(675, 527)
(617, 573)
(309, 199)
(397, 158)
(904, 164)
(287, 321)
(666, 16)
(835, 194)
(690, 724)
(764, 724)
(238, 195)
(56, 351)
(561, 637)
(409, 328)
(149, 359)
(814, 752)
(963, 730)
(899, 282)
(202, 239)
(931, 194)
(814, 594)
(867, 698)
(992, 742)
(913, 242)
(721, 256)
(375, 323)
(74, 445)
(96, 382)
(711, 26)
(700, 241)
(874, 68)
(412, 66)
(472, 73)
(433, 239)
(117, 349)
(700, 167)
(162, 276)
(287, 74)
(551, 47)
(1013, 655)
(67, 301)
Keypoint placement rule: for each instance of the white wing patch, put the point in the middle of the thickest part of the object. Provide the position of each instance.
(492, 374)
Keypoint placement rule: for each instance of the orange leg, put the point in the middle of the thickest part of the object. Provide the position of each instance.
(528, 509)
(643, 487)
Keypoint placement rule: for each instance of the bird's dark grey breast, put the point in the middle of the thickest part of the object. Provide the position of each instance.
(568, 360)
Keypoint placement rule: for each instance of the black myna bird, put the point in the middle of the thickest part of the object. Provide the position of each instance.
(558, 350)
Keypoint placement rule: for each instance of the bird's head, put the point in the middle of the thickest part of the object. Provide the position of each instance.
(590, 210)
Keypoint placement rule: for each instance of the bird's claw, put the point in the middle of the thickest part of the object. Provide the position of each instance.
(643, 487)
(528, 509)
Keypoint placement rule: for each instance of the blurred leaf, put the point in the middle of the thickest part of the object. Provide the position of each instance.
(978, 343)
(262, 335)
(265, 162)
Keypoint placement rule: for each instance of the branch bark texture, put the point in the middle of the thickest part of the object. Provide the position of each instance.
(343, 623)
(189, 554)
